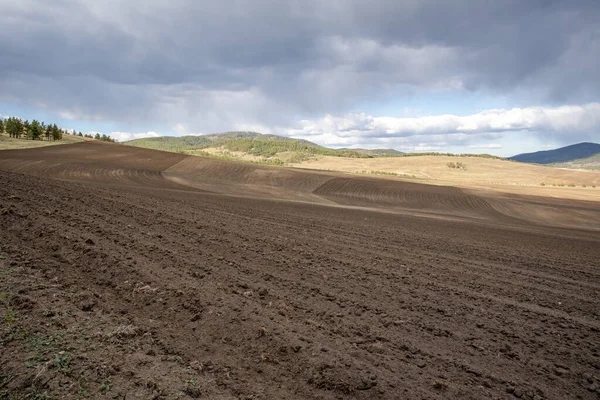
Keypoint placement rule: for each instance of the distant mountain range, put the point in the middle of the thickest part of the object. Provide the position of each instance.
(582, 155)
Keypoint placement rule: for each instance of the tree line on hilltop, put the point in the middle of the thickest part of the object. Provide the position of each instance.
(36, 130)
(104, 137)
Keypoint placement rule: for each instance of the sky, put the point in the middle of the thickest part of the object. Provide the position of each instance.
(463, 76)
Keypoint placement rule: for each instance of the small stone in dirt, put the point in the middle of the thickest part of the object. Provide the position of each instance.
(560, 371)
(145, 289)
(4, 211)
(86, 301)
(518, 393)
(262, 332)
(263, 292)
(366, 384)
(124, 331)
(196, 317)
(421, 363)
(90, 242)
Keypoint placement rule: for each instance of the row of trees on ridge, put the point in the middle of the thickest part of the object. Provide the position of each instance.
(35, 130)
(104, 137)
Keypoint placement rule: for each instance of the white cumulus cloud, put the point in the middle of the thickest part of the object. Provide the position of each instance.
(491, 146)
(361, 129)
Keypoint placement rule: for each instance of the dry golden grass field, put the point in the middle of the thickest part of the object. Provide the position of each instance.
(479, 173)
(8, 143)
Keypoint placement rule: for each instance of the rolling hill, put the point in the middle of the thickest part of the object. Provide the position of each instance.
(265, 148)
(379, 152)
(591, 163)
(581, 155)
(253, 143)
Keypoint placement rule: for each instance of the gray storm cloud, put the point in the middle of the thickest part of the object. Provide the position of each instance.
(219, 65)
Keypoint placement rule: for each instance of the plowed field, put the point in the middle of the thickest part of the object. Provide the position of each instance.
(130, 273)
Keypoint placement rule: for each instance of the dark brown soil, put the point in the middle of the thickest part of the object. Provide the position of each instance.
(123, 276)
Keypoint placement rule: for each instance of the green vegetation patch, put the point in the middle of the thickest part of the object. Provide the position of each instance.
(252, 143)
(270, 148)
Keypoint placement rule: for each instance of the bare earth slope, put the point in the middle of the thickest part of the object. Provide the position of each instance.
(111, 164)
(130, 278)
(97, 162)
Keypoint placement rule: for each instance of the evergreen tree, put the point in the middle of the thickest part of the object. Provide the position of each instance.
(97, 137)
(7, 126)
(1, 125)
(12, 127)
(22, 129)
(80, 134)
(17, 127)
(26, 131)
(35, 130)
(55, 132)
